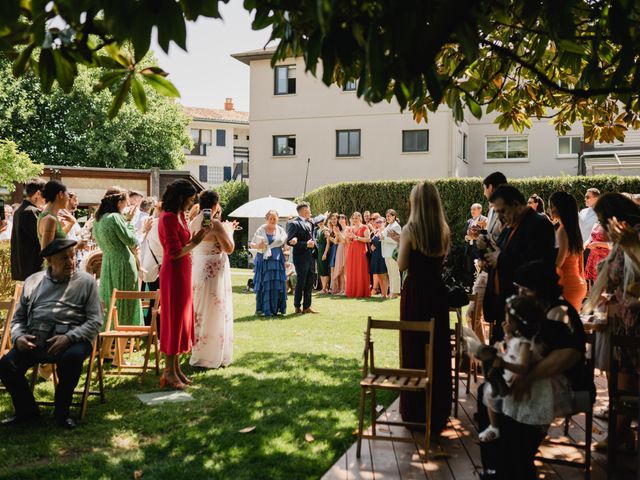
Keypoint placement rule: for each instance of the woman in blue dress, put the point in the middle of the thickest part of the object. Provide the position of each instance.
(377, 266)
(270, 278)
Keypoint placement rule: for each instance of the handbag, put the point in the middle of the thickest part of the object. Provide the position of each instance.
(457, 296)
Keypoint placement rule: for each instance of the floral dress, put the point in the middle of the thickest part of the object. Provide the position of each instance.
(212, 303)
(596, 255)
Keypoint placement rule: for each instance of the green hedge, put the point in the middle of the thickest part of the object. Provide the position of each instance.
(232, 195)
(6, 284)
(457, 194)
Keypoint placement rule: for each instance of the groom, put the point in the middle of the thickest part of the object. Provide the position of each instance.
(300, 233)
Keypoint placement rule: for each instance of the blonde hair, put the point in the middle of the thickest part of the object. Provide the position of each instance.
(427, 223)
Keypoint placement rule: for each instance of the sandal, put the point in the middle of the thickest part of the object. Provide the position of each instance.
(489, 434)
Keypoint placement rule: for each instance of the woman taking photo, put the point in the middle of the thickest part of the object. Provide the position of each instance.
(116, 237)
(49, 225)
(569, 262)
(424, 244)
(212, 298)
(390, 237)
(338, 224)
(357, 266)
(176, 294)
(270, 275)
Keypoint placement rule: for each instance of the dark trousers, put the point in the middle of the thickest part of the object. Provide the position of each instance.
(152, 287)
(305, 272)
(14, 366)
(512, 455)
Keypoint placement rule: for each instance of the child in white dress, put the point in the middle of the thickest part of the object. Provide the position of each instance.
(522, 323)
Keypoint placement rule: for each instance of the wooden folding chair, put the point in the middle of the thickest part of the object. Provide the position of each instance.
(10, 306)
(588, 426)
(621, 402)
(456, 350)
(85, 391)
(132, 333)
(397, 379)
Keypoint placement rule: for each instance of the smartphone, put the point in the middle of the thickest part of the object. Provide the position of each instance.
(206, 217)
(2, 218)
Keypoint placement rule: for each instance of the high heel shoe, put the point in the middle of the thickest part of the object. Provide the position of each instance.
(175, 384)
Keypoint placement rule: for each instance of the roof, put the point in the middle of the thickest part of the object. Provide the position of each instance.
(217, 115)
(259, 54)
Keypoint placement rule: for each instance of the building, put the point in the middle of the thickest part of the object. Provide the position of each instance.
(220, 144)
(305, 134)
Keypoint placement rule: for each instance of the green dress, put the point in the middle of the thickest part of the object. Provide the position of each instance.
(119, 270)
(59, 230)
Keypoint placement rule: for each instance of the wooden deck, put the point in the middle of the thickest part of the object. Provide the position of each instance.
(457, 455)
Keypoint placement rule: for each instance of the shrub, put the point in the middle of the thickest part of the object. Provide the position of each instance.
(6, 284)
(232, 195)
(239, 258)
(457, 194)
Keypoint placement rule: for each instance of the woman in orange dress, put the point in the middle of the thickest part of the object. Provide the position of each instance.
(569, 262)
(357, 264)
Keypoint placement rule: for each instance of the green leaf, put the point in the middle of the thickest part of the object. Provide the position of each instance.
(120, 97)
(20, 65)
(65, 71)
(108, 62)
(46, 69)
(570, 46)
(474, 107)
(161, 85)
(109, 79)
(139, 95)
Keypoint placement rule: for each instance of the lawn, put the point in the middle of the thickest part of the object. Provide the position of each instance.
(294, 378)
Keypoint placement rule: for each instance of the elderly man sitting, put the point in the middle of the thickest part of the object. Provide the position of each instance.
(56, 321)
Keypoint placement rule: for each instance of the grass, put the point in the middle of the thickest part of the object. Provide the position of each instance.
(291, 376)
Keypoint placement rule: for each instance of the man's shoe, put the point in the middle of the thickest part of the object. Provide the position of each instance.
(14, 421)
(298, 310)
(67, 423)
(308, 310)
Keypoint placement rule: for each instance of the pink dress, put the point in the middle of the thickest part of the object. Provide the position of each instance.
(596, 255)
(176, 295)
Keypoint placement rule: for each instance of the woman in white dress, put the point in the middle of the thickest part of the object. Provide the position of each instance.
(212, 299)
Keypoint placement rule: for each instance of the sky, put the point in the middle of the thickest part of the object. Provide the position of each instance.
(206, 74)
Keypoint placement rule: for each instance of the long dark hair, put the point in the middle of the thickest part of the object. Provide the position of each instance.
(109, 203)
(617, 205)
(539, 202)
(567, 209)
(176, 194)
(208, 199)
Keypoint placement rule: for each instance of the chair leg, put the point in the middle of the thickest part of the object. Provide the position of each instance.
(567, 420)
(87, 383)
(101, 381)
(471, 367)
(612, 439)
(360, 422)
(34, 376)
(587, 442)
(147, 352)
(456, 379)
(373, 411)
(427, 429)
(157, 353)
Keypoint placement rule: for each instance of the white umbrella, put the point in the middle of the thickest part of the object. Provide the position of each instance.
(259, 207)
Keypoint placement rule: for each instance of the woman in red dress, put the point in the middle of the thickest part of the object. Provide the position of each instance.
(357, 264)
(599, 248)
(176, 294)
(424, 243)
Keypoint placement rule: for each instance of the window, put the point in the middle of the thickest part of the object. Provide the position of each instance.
(211, 174)
(201, 139)
(285, 80)
(507, 147)
(235, 137)
(221, 138)
(465, 139)
(569, 146)
(284, 145)
(347, 143)
(415, 140)
(350, 86)
(247, 137)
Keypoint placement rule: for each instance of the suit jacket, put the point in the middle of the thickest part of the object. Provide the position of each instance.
(303, 230)
(533, 239)
(25, 247)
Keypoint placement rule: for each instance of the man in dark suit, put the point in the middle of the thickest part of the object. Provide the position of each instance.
(527, 236)
(300, 233)
(25, 248)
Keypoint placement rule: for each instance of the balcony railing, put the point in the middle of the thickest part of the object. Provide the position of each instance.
(199, 149)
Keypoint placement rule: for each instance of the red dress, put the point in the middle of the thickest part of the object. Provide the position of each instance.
(358, 268)
(176, 294)
(596, 255)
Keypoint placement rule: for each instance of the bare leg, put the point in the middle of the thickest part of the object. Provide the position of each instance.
(170, 377)
(376, 284)
(181, 375)
(383, 278)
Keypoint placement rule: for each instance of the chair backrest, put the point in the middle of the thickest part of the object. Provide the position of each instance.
(400, 326)
(112, 311)
(10, 306)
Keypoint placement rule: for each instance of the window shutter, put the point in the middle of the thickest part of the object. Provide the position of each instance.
(227, 174)
(221, 138)
(203, 173)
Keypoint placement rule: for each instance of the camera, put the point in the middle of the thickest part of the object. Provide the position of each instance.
(42, 331)
(206, 217)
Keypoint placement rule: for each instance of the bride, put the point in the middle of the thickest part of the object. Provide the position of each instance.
(212, 299)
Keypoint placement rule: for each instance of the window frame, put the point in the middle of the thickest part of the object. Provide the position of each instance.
(288, 137)
(212, 174)
(348, 131)
(415, 130)
(224, 137)
(571, 154)
(275, 80)
(350, 82)
(507, 158)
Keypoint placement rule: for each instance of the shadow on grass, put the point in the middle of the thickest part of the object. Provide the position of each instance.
(285, 396)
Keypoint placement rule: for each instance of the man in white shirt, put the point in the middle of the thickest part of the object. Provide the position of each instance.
(390, 236)
(587, 218)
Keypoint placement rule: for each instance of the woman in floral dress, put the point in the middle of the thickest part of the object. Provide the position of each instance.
(211, 279)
